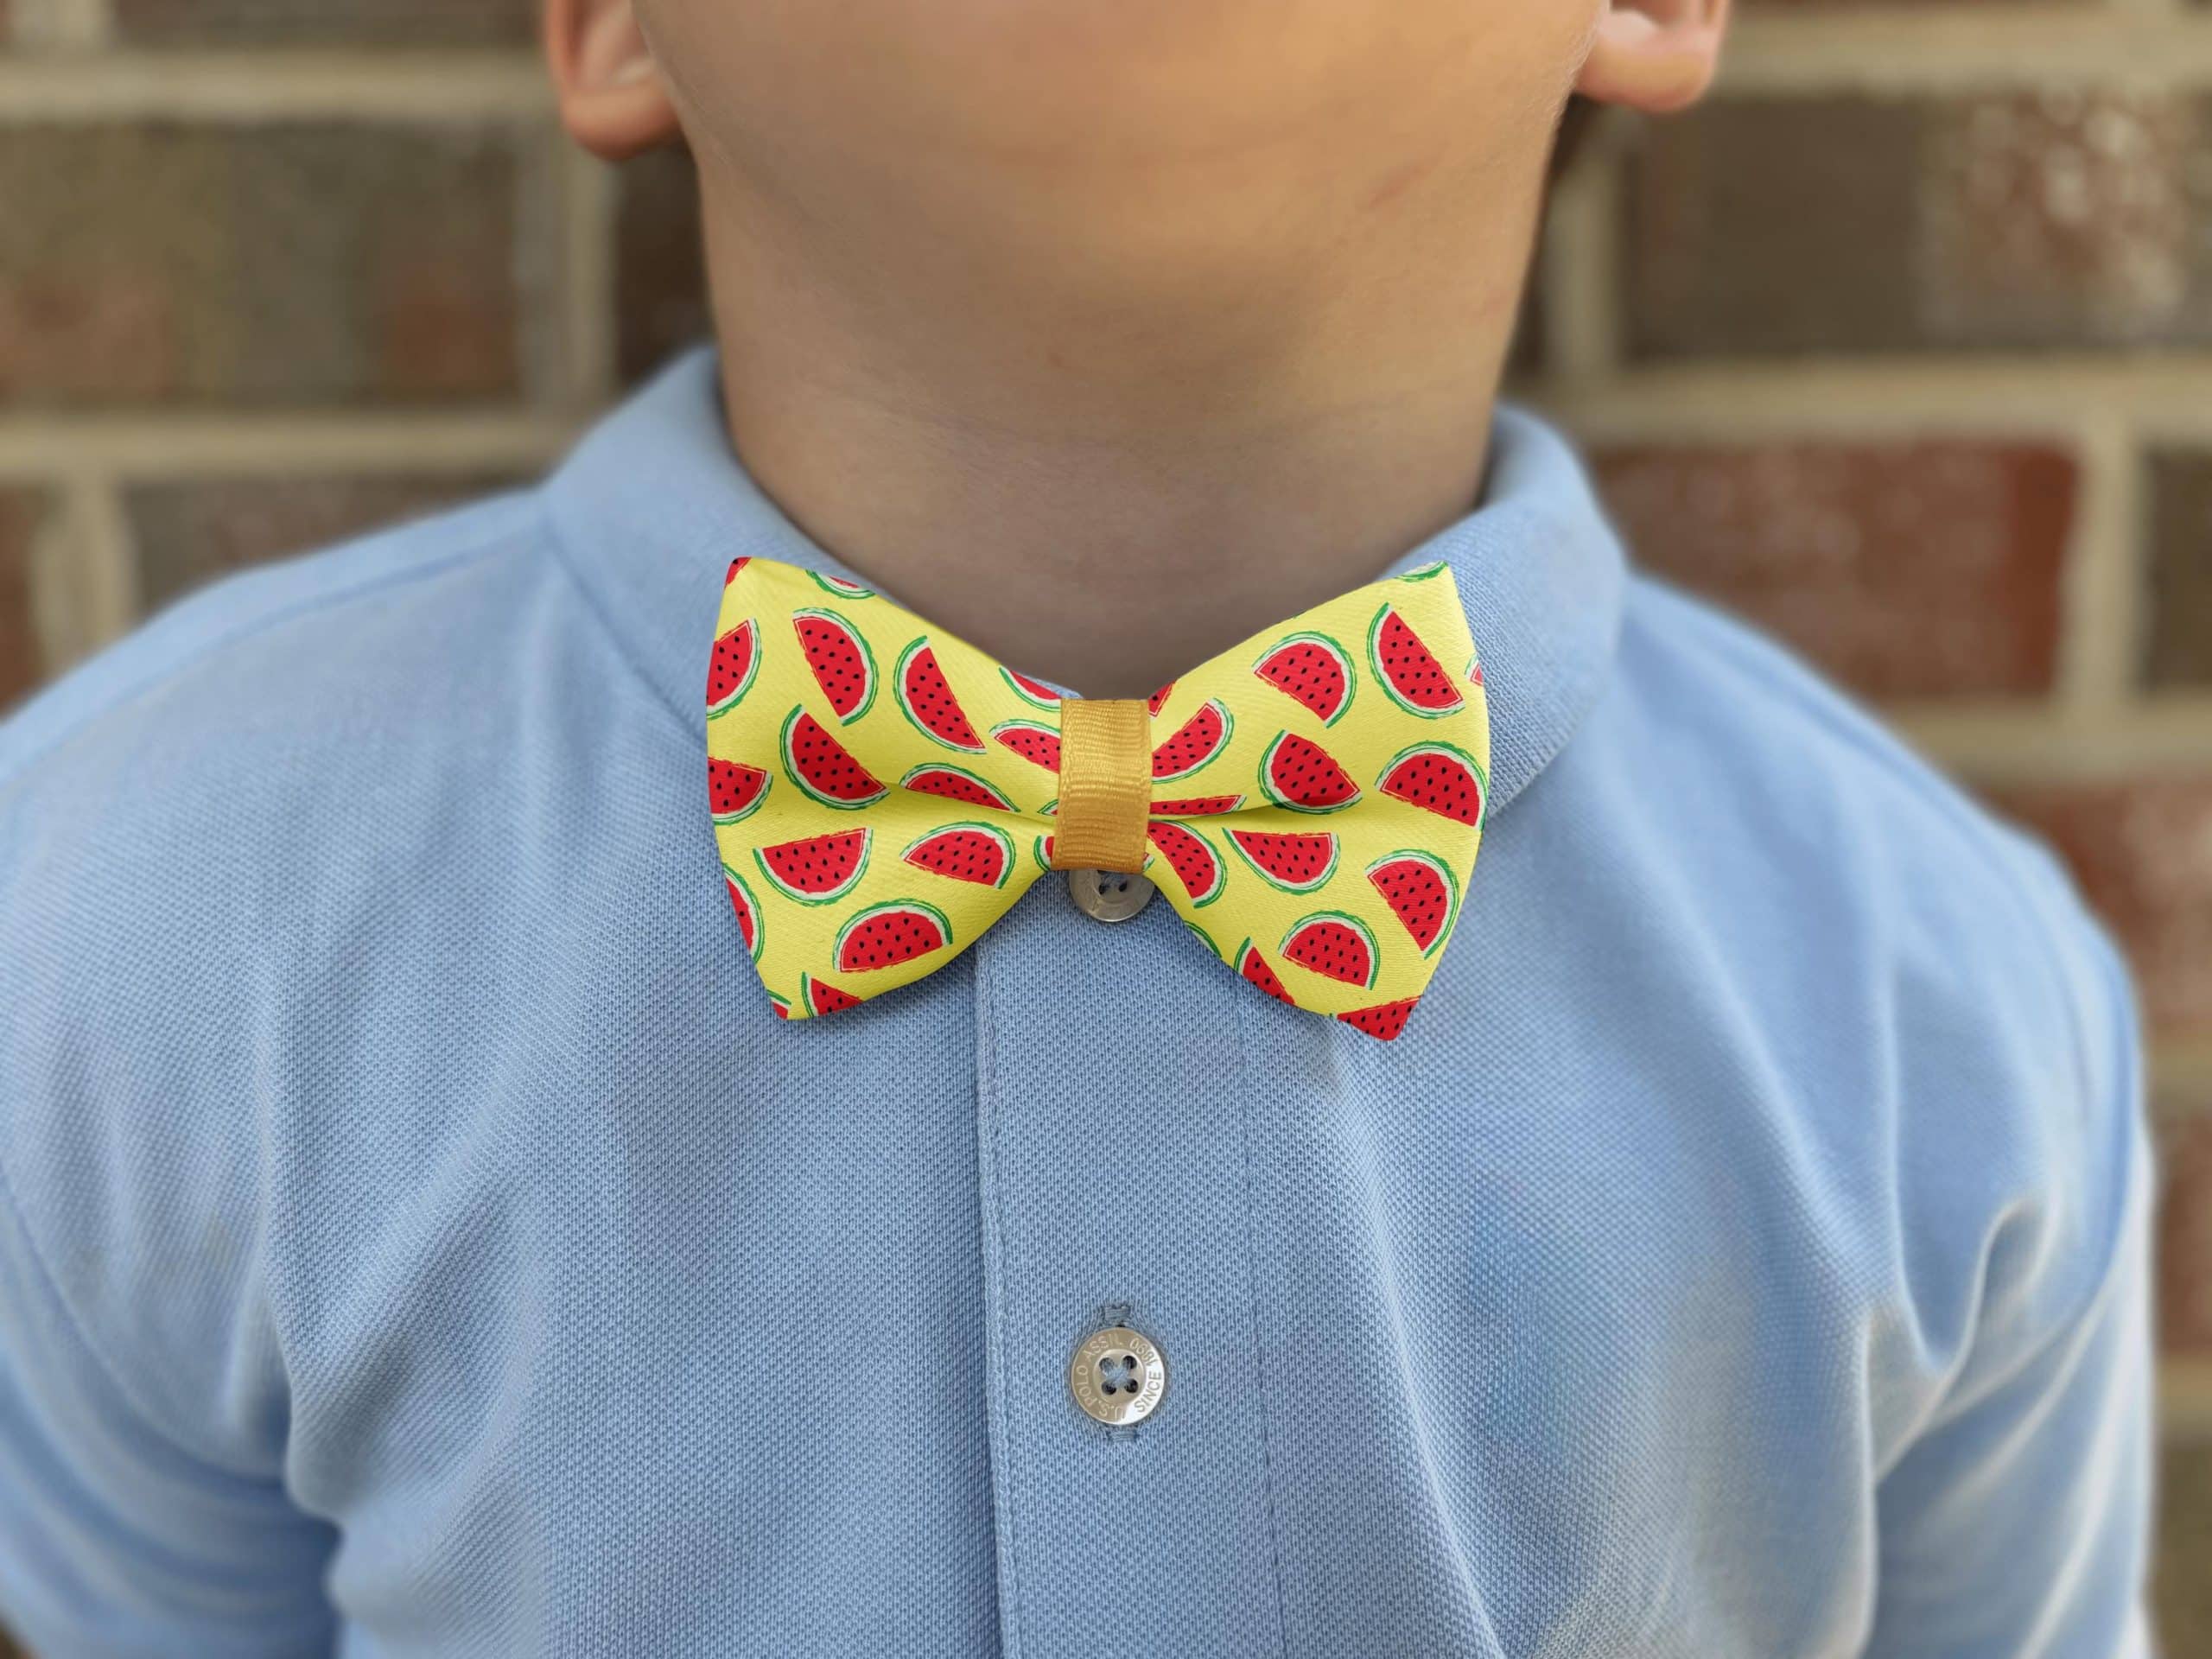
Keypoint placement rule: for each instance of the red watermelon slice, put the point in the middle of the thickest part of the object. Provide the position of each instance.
(817, 870)
(734, 791)
(1249, 962)
(955, 784)
(825, 998)
(843, 664)
(1292, 863)
(736, 565)
(1333, 944)
(731, 670)
(926, 699)
(840, 586)
(748, 912)
(1439, 778)
(1042, 847)
(820, 766)
(1196, 806)
(1158, 700)
(1408, 670)
(1197, 741)
(1038, 744)
(964, 852)
(1421, 892)
(1313, 668)
(1300, 774)
(1383, 1021)
(883, 936)
(1030, 691)
(1197, 866)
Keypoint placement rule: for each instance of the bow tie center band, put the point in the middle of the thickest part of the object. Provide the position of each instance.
(1310, 802)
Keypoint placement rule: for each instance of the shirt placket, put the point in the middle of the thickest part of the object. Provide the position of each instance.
(1114, 1150)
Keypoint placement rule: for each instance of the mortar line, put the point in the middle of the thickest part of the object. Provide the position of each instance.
(187, 445)
(1886, 52)
(465, 85)
(2099, 621)
(592, 198)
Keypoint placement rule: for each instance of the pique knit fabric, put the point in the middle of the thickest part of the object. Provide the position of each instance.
(419, 1237)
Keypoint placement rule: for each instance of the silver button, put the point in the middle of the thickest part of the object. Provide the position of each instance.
(1118, 1376)
(1108, 895)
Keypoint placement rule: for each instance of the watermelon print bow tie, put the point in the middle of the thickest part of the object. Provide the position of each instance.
(1310, 802)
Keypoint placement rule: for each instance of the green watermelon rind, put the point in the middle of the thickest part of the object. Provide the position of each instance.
(1451, 886)
(1005, 850)
(792, 771)
(715, 710)
(1220, 866)
(1021, 726)
(1366, 933)
(767, 783)
(799, 897)
(1025, 693)
(867, 660)
(899, 692)
(861, 916)
(1268, 784)
(1037, 851)
(840, 587)
(1432, 747)
(1335, 851)
(1423, 572)
(1202, 934)
(1375, 661)
(782, 1006)
(983, 783)
(1228, 732)
(752, 906)
(1343, 661)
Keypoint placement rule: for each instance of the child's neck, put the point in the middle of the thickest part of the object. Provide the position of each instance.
(1106, 495)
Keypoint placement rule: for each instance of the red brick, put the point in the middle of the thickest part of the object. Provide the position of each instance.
(21, 662)
(2177, 640)
(2184, 1248)
(284, 22)
(253, 264)
(2142, 851)
(189, 533)
(1908, 570)
(660, 280)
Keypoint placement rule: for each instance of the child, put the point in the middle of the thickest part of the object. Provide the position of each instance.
(438, 1219)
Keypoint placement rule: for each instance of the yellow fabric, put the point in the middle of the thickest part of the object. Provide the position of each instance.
(883, 791)
(1105, 785)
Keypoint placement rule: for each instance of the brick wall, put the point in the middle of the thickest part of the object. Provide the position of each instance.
(1903, 345)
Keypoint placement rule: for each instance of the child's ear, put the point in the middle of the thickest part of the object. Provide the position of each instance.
(612, 100)
(1654, 56)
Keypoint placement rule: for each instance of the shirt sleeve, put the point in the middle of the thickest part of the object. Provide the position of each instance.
(114, 1538)
(2015, 1522)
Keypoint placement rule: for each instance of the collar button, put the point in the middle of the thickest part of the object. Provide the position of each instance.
(1108, 895)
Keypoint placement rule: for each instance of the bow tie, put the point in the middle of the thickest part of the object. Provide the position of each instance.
(882, 792)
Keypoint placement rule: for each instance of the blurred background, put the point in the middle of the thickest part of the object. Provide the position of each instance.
(1903, 347)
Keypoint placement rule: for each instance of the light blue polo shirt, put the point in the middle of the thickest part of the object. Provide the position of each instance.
(418, 1237)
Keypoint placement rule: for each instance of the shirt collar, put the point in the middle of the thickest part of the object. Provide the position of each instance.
(653, 505)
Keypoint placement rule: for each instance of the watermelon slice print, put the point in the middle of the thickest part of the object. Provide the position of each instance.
(955, 784)
(734, 791)
(817, 870)
(821, 768)
(1292, 862)
(748, 913)
(1422, 893)
(840, 586)
(1030, 690)
(1384, 1021)
(1333, 944)
(1198, 806)
(843, 664)
(925, 698)
(1042, 850)
(781, 1004)
(1311, 668)
(964, 852)
(736, 565)
(1422, 572)
(1197, 741)
(1439, 778)
(1249, 962)
(825, 998)
(1408, 670)
(731, 671)
(1203, 935)
(1197, 866)
(884, 936)
(1158, 700)
(1299, 773)
(1034, 742)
